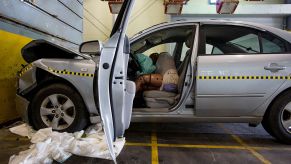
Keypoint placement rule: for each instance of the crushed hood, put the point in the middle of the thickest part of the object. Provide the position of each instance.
(38, 49)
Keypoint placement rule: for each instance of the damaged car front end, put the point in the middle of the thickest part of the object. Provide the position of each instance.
(47, 68)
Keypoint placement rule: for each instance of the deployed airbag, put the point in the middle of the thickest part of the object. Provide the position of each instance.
(48, 145)
(146, 64)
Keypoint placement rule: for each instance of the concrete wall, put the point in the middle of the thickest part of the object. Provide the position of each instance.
(146, 14)
(268, 12)
(203, 6)
(274, 21)
(98, 21)
(58, 21)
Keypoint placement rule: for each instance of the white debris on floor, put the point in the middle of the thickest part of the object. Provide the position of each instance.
(23, 130)
(48, 145)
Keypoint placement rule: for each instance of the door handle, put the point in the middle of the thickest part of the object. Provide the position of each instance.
(273, 67)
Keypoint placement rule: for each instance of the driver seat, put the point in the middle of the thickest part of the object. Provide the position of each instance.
(163, 99)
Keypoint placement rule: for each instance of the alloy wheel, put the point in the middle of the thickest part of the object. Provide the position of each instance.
(286, 117)
(57, 111)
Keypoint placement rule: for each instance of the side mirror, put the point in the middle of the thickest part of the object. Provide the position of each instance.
(91, 47)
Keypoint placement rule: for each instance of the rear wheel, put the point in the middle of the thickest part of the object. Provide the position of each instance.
(278, 120)
(266, 126)
(60, 107)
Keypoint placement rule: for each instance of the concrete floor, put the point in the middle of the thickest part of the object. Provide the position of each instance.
(181, 144)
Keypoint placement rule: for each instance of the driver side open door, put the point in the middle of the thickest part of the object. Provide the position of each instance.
(113, 93)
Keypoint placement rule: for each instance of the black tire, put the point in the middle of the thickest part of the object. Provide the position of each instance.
(266, 126)
(80, 117)
(272, 121)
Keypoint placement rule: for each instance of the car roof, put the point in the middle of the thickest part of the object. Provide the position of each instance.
(281, 33)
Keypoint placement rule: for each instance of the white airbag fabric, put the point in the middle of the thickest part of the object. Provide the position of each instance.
(49, 145)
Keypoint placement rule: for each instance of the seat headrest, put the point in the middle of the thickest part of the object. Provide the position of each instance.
(189, 41)
(164, 63)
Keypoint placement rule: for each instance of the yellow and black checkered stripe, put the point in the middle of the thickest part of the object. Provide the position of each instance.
(25, 69)
(66, 72)
(243, 77)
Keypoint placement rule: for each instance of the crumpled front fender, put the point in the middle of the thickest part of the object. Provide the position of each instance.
(78, 72)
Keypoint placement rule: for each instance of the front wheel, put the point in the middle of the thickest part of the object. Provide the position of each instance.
(60, 107)
(278, 118)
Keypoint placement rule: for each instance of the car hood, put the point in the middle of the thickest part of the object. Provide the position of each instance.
(38, 49)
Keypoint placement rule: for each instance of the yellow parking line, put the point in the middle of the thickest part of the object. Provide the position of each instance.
(242, 143)
(239, 147)
(253, 151)
(154, 144)
(201, 146)
(137, 144)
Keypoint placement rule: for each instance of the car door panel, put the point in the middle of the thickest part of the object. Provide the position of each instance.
(233, 97)
(103, 95)
(122, 95)
(113, 92)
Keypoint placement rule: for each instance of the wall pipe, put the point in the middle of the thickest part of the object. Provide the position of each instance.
(288, 18)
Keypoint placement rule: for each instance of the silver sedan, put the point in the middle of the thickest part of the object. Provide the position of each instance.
(228, 72)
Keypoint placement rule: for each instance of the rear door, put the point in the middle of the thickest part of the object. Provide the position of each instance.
(238, 70)
(113, 92)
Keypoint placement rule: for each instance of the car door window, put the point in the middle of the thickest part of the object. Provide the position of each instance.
(214, 40)
(271, 44)
(248, 43)
(216, 51)
(237, 40)
(210, 49)
(184, 51)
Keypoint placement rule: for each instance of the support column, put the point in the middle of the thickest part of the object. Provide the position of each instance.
(288, 18)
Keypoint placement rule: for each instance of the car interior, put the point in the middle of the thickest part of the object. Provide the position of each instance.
(178, 45)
